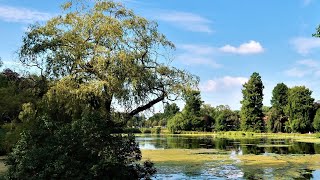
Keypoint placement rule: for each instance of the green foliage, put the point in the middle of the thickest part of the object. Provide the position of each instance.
(276, 120)
(105, 55)
(227, 120)
(158, 130)
(280, 96)
(299, 109)
(193, 102)
(251, 110)
(99, 56)
(85, 148)
(170, 110)
(155, 120)
(177, 123)
(316, 121)
(206, 109)
(15, 91)
(209, 114)
(189, 118)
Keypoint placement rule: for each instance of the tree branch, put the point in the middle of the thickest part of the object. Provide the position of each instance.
(147, 106)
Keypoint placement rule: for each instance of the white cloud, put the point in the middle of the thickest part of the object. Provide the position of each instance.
(251, 47)
(198, 49)
(303, 68)
(309, 63)
(304, 45)
(14, 14)
(198, 55)
(223, 84)
(297, 72)
(188, 21)
(224, 90)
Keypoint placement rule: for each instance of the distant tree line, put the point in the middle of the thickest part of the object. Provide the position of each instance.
(292, 110)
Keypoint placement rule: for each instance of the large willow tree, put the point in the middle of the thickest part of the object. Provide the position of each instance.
(104, 55)
(100, 57)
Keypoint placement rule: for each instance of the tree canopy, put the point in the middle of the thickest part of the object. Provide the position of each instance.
(279, 96)
(276, 116)
(105, 55)
(299, 109)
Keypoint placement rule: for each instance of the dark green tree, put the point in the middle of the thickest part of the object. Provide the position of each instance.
(170, 110)
(316, 121)
(276, 117)
(251, 110)
(226, 119)
(208, 115)
(193, 102)
(299, 109)
(279, 96)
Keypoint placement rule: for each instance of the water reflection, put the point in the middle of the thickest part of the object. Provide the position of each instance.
(236, 147)
(239, 146)
(231, 171)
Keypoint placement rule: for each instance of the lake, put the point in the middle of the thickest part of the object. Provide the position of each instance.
(209, 157)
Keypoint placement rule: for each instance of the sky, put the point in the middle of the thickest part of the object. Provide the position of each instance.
(222, 42)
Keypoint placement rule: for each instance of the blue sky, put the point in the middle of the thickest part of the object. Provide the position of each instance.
(223, 42)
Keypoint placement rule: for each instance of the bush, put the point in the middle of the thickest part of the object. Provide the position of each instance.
(80, 149)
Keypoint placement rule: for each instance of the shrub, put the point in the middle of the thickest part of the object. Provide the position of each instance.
(81, 149)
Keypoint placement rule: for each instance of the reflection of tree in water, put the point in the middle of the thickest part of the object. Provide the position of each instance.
(306, 174)
(316, 148)
(249, 146)
(221, 144)
(160, 142)
(191, 170)
(265, 173)
(302, 148)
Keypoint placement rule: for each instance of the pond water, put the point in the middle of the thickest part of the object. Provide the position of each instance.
(233, 148)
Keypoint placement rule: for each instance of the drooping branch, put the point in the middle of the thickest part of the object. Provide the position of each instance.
(147, 106)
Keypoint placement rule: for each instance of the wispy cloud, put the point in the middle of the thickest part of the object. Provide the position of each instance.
(304, 68)
(309, 63)
(297, 72)
(306, 2)
(23, 15)
(223, 84)
(251, 47)
(197, 55)
(304, 45)
(186, 20)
